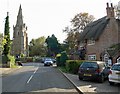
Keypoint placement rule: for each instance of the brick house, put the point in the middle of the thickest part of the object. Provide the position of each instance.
(101, 37)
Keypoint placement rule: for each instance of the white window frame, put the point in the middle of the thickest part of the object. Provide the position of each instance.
(91, 42)
(92, 57)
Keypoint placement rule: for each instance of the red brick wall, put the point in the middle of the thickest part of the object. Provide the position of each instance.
(107, 38)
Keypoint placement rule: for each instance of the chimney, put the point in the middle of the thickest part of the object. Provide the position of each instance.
(110, 11)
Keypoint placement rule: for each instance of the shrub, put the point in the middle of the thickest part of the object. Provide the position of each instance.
(11, 61)
(72, 66)
(37, 59)
(29, 59)
(61, 58)
(22, 59)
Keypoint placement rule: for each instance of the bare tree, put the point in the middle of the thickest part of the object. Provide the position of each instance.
(117, 10)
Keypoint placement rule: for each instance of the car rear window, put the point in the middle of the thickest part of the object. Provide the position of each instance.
(116, 67)
(89, 65)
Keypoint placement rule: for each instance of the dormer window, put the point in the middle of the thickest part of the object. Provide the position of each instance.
(91, 42)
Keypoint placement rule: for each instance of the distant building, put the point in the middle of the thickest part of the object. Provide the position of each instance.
(20, 38)
(101, 38)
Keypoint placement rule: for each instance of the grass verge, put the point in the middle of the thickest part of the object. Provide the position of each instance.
(63, 69)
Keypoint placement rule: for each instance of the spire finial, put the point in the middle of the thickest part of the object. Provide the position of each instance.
(20, 6)
(7, 13)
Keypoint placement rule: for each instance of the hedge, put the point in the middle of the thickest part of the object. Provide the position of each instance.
(72, 66)
(25, 59)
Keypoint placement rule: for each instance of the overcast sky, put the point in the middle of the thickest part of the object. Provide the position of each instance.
(47, 17)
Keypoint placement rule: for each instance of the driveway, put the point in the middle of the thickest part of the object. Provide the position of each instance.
(86, 86)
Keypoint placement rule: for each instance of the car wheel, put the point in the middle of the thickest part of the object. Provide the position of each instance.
(101, 78)
(80, 78)
(111, 83)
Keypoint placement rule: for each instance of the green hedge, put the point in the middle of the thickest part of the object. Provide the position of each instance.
(25, 59)
(72, 66)
(8, 61)
(12, 61)
(61, 58)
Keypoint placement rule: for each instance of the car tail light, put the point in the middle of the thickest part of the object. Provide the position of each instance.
(97, 71)
(110, 72)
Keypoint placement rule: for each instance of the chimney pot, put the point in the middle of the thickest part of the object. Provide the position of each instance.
(111, 5)
(107, 5)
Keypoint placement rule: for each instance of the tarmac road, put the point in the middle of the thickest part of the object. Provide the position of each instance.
(34, 77)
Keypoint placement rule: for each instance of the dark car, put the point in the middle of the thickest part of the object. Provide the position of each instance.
(95, 70)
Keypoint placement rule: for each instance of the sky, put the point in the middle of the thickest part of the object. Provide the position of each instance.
(47, 17)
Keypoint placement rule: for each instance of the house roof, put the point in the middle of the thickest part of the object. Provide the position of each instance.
(94, 29)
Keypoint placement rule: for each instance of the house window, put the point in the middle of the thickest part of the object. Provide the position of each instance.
(91, 42)
(92, 57)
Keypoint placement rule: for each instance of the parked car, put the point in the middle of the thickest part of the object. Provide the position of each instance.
(93, 70)
(48, 62)
(114, 74)
(54, 60)
(42, 59)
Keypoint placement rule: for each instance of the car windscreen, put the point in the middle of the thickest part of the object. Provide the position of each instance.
(116, 67)
(48, 59)
(89, 65)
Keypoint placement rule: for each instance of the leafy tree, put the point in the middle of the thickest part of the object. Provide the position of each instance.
(52, 45)
(2, 42)
(1, 38)
(6, 50)
(37, 47)
(78, 23)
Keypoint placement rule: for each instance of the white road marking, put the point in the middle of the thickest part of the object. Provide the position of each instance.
(32, 76)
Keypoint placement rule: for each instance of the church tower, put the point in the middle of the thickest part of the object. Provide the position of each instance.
(20, 38)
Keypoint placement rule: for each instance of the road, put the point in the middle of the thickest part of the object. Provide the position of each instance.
(34, 77)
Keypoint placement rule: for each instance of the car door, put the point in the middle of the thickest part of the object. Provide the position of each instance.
(116, 72)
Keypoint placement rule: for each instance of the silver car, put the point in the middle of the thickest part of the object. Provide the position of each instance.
(114, 74)
(48, 62)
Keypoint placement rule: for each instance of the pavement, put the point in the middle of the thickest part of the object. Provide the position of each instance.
(82, 89)
(6, 71)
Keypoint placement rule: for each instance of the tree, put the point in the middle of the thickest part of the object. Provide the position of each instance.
(78, 23)
(117, 10)
(1, 43)
(6, 50)
(37, 47)
(52, 45)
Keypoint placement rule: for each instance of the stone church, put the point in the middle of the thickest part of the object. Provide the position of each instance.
(20, 38)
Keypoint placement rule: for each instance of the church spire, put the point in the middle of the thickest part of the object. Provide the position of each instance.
(19, 17)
